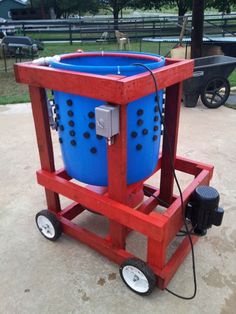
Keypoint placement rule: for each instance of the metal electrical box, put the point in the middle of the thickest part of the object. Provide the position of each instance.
(107, 120)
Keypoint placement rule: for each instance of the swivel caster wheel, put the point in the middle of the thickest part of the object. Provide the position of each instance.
(48, 225)
(138, 276)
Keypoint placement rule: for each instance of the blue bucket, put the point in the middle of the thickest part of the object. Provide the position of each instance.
(85, 153)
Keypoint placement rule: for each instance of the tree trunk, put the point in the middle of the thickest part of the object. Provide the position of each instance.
(58, 14)
(42, 9)
(182, 9)
(116, 18)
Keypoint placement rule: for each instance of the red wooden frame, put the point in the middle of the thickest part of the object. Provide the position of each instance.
(114, 202)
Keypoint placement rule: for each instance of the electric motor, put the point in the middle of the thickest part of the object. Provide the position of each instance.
(203, 209)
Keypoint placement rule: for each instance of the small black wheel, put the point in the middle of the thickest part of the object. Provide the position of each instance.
(215, 92)
(48, 225)
(138, 276)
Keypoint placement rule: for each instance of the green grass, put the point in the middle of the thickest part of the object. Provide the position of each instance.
(12, 92)
(232, 78)
(51, 49)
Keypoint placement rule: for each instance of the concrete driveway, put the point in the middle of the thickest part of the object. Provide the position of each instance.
(38, 276)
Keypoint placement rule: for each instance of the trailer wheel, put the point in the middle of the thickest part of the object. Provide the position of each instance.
(138, 276)
(48, 225)
(216, 92)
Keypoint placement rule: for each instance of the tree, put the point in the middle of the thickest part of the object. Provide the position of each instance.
(63, 8)
(186, 5)
(182, 5)
(223, 6)
(149, 4)
(115, 7)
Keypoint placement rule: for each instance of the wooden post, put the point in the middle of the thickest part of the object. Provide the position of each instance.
(117, 177)
(156, 251)
(44, 140)
(197, 28)
(172, 111)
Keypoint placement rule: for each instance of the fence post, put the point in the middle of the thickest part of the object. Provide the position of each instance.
(153, 29)
(160, 28)
(80, 32)
(23, 29)
(70, 34)
(224, 25)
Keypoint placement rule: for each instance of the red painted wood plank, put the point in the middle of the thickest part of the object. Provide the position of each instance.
(173, 61)
(202, 178)
(156, 254)
(39, 108)
(112, 89)
(63, 174)
(174, 212)
(44, 140)
(175, 261)
(117, 162)
(71, 211)
(141, 85)
(117, 178)
(90, 85)
(117, 233)
(172, 113)
(94, 241)
(98, 189)
(53, 201)
(118, 212)
(192, 167)
(149, 204)
(149, 189)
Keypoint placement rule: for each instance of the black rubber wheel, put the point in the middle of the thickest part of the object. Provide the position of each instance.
(138, 276)
(215, 92)
(48, 225)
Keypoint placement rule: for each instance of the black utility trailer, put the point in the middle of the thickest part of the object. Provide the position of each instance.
(209, 81)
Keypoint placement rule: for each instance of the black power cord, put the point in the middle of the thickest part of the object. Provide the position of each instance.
(157, 198)
(183, 233)
(187, 232)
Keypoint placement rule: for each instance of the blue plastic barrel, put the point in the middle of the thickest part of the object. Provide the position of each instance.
(85, 153)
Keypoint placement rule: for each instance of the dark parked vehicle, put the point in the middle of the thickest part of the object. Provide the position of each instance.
(26, 46)
(19, 47)
(209, 81)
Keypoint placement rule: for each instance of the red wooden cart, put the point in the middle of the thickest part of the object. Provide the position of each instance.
(120, 203)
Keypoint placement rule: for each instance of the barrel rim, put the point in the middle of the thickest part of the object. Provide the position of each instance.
(158, 60)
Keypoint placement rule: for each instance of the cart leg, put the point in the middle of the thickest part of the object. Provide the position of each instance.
(118, 234)
(173, 96)
(117, 182)
(156, 253)
(44, 140)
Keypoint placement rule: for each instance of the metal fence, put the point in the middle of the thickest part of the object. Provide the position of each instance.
(90, 29)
